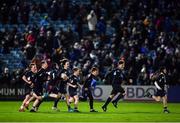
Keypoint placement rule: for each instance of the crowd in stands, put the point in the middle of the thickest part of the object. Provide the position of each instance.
(145, 33)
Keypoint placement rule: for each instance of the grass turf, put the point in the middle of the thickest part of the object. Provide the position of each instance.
(126, 111)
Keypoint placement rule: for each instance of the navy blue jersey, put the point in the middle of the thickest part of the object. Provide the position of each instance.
(74, 80)
(41, 78)
(30, 76)
(117, 76)
(161, 81)
(90, 81)
(63, 83)
(54, 76)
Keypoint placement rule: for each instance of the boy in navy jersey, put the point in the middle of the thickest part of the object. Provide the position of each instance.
(87, 86)
(73, 86)
(161, 85)
(118, 77)
(29, 79)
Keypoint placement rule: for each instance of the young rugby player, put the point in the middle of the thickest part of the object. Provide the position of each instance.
(87, 87)
(29, 79)
(118, 77)
(73, 86)
(64, 78)
(41, 79)
(161, 85)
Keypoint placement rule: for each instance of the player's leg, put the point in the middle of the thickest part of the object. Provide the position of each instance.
(34, 108)
(76, 101)
(67, 103)
(38, 105)
(111, 96)
(120, 96)
(115, 101)
(29, 100)
(164, 98)
(91, 101)
(52, 95)
(71, 99)
(38, 97)
(157, 98)
(23, 104)
(56, 102)
(84, 95)
(28, 95)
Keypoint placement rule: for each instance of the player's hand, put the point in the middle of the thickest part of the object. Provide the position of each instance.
(64, 76)
(159, 88)
(80, 86)
(130, 81)
(85, 89)
(39, 97)
(30, 82)
(75, 86)
(32, 85)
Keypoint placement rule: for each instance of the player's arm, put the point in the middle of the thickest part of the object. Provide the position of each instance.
(79, 85)
(69, 83)
(127, 78)
(26, 80)
(85, 85)
(157, 86)
(64, 76)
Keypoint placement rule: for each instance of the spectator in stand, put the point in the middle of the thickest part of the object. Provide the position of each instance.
(13, 14)
(31, 38)
(24, 12)
(44, 22)
(92, 21)
(101, 27)
(144, 33)
(5, 78)
(4, 13)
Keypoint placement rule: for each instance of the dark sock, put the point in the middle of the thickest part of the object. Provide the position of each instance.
(33, 107)
(118, 98)
(56, 102)
(165, 108)
(107, 101)
(69, 106)
(91, 104)
(150, 96)
(39, 103)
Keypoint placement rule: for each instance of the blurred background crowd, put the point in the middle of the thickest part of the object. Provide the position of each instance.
(91, 32)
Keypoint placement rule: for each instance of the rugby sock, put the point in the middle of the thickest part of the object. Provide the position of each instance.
(39, 104)
(150, 96)
(165, 108)
(107, 101)
(33, 107)
(56, 102)
(69, 107)
(91, 104)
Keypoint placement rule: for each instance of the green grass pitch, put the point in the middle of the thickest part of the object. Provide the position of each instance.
(126, 111)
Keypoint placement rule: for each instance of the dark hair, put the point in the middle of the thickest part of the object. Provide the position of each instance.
(75, 69)
(31, 64)
(54, 65)
(43, 61)
(161, 69)
(121, 62)
(63, 61)
(37, 62)
(94, 69)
